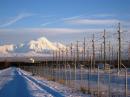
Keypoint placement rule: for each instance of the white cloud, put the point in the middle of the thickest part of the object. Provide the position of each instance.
(103, 15)
(97, 19)
(93, 21)
(45, 24)
(61, 20)
(52, 30)
(83, 20)
(48, 23)
(73, 17)
(15, 19)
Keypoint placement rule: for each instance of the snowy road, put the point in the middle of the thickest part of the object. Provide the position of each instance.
(18, 83)
(17, 86)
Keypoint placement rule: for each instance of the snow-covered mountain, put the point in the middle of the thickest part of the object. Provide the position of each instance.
(6, 48)
(41, 45)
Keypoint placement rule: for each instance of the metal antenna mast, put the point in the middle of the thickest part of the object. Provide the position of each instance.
(119, 52)
(93, 46)
(104, 37)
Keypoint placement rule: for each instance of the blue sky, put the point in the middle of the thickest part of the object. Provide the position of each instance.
(60, 20)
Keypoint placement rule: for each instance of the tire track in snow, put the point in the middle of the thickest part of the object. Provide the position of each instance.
(34, 87)
(45, 87)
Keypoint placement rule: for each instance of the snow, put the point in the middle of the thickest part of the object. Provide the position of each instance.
(41, 45)
(6, 48)
(15, 82)
(4, 77)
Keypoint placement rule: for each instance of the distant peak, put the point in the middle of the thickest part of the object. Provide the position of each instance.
(42, 38)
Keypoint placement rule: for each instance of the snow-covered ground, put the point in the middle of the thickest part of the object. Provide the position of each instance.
(15, 82)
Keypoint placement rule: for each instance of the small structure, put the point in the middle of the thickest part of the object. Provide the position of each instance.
(32, 60)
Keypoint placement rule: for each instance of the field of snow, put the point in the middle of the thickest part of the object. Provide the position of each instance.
(15, 82)
(104, 83)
